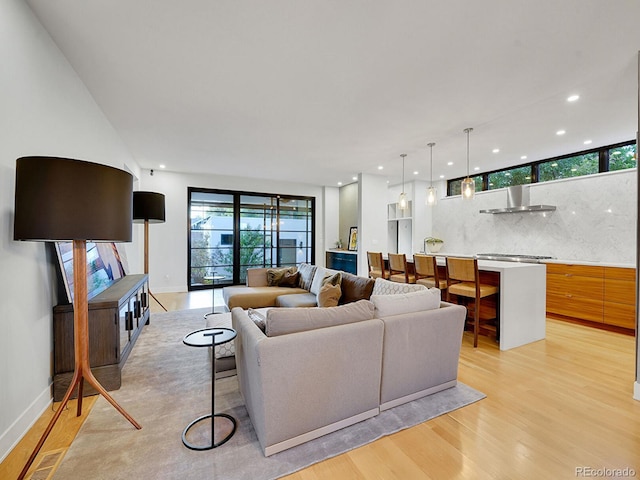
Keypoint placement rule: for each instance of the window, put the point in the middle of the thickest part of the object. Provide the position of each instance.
(603, 159)
(233, 231)
(508, 178)
(622, 157)
(575, 166)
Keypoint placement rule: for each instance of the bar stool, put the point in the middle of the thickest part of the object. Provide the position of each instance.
(398, 269)
(427, 271)
(463, 279)
(376, 266)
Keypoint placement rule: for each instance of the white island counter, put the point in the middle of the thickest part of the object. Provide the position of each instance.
(523, 298)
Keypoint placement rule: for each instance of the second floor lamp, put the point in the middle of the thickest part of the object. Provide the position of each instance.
(148, 207)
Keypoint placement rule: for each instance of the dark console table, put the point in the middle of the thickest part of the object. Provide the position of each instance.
(116, 318)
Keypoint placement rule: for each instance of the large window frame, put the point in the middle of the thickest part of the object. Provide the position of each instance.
(262, 230)
(605, 164)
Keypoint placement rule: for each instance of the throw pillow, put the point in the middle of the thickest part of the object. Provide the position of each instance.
(274, 275)
(259, 319)
(385, 287)
(290, 280)
(335, 279)
(306, 275)
(282, 321)
(320, 274)
(388, 305)
(329, 295)
(355, 288)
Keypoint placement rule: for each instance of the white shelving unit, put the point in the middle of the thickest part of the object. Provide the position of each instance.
(400, 228)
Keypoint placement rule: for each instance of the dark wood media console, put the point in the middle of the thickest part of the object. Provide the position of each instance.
(116, 318)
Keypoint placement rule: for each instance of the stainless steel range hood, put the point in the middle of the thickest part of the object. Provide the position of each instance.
(518, 202)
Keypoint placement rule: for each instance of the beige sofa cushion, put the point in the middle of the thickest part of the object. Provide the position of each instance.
(388, 305)
(283, 321)
(329, 295)
(255, 297)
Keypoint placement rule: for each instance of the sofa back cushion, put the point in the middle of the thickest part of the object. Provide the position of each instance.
(355, 288)
(385, 287)
(282, 321)
(401, 303)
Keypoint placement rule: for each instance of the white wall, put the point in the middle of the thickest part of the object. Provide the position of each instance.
(595, 220)
(348, 212)
(372, 218)
(168, 241)
(46, 110)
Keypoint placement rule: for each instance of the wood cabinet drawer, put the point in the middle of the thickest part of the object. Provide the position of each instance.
(576, 286)
(576, 307)
(620, 315)
(572, 270)
(620, 291)
(628, 274)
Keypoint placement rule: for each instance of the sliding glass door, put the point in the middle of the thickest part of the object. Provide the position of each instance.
(230, 232)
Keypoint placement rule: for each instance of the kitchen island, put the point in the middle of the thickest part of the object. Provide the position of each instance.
(522, 300)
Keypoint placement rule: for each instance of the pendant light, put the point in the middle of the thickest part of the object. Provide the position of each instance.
(402, 200)
(468, 186)
(432, 192)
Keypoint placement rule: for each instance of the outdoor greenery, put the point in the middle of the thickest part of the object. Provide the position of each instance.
(576, 166)
(507, 178)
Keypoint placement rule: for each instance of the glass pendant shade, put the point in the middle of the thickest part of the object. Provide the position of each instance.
(432, 196)
(468, 188)
(402, 201)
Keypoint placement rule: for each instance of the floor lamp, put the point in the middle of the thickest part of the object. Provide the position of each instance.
(148, 207)
(60, 199)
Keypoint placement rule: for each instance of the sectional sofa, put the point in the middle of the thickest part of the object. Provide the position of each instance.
(316, 370)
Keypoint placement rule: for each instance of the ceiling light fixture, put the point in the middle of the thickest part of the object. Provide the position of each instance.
(402, 200)
(496, 150)
(468, 186)
(432, 193)
(573, 98)
(561, 132)
(588, 142)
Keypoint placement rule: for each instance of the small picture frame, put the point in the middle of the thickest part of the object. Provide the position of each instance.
(353, 239)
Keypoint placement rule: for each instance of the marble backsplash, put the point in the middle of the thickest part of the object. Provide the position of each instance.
(595, 220)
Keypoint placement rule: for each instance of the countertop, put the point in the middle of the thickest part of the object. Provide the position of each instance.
(553, 260)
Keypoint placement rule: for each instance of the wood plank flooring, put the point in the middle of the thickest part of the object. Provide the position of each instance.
(552, 407)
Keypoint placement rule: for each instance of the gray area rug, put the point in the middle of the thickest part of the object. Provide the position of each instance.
(167, 384)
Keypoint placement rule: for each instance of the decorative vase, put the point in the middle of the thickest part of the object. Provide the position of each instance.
(434, 247)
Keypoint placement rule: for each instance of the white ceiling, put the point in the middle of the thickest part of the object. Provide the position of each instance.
(317, 91)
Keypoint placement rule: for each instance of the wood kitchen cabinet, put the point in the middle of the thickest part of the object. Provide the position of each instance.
(620, 297)
(600, 294)
(116, 318)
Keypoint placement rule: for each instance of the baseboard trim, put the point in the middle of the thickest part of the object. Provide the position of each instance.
(292, 442)
(417, 395)
(12, 435)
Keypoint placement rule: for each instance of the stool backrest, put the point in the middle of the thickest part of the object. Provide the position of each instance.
(425, 265)
(376, 263)
(462, 269)
(397, 262)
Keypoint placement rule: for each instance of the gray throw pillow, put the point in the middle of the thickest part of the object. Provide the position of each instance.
(259, 319)
(306, 275)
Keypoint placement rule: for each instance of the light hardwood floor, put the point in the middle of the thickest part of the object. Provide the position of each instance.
(552, 407)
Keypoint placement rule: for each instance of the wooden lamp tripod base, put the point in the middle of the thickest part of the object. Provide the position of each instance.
(82, 368)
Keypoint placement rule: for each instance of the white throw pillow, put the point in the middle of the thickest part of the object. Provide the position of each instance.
(320, 274)
(386, 287)
(388, 305)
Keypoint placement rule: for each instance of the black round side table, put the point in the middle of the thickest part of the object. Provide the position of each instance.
(210, 337)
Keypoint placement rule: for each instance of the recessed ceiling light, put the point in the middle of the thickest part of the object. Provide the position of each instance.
(561, 132)
(523, 157)
(163, 166)
(380, 167)
(339, 183)
(476, 168)
(495, 150)
(449, 163)
(554, 164)
(588, 142)
(441, 176)
(416, 172)
(573, 98)
(574, 169)
(617, 152)
(507, 174)
(354, 178)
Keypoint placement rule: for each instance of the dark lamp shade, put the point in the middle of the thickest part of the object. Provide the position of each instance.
(148, 206)
(63, 199)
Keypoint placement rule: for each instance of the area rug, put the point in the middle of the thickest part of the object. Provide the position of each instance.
(166, 385)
